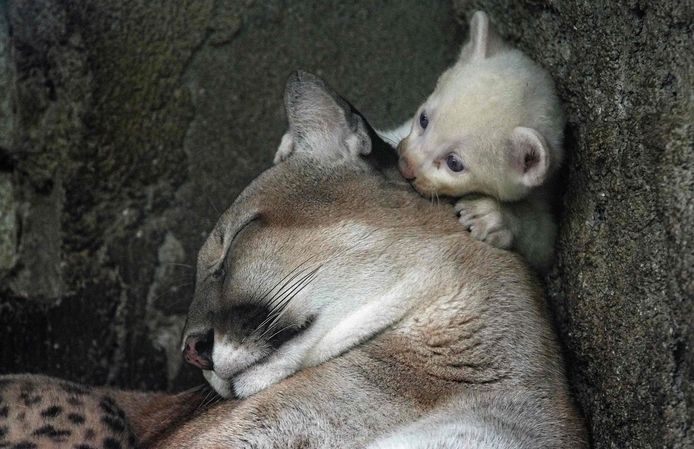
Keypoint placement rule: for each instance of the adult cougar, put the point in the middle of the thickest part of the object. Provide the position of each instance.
(353, 313)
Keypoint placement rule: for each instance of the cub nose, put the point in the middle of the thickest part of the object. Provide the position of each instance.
(198, 350)
(406, 169)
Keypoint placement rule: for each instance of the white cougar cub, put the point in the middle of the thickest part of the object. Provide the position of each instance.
(491, 133)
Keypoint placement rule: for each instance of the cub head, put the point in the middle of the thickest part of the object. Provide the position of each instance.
(304, 242)
(493, 124)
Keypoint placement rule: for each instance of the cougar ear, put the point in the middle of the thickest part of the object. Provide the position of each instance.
(484, 41)
(321, 122)
(529, 156)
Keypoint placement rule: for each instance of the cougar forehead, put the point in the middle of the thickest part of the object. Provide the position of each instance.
(297, 209)
(301, 197)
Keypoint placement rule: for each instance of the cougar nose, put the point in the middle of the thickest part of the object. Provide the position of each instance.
(406, 169)
(198, 350)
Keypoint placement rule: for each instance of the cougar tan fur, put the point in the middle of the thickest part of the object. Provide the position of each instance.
(397, 328)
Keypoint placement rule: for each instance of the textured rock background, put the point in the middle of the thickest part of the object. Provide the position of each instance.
(126, 125)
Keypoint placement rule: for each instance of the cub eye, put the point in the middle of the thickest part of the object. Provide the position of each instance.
(218, 273)
(423, 120)
(454, 163)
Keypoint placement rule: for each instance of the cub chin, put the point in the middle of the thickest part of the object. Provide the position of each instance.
(491, 134)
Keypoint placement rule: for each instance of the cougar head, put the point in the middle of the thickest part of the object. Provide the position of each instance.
(306, 241)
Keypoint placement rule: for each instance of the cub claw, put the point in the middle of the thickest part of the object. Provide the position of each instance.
(484, 219)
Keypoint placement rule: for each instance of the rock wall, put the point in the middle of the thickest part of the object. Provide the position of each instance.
(623, 285)
(126, 126)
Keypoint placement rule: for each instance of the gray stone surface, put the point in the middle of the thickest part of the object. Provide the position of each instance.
(8, 225)
(623, 287)
(8, 205)
(126, 126)
(6, 83)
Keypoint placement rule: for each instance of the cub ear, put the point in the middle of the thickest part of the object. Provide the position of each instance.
(321, 122)
(484, 41)
(529, 156)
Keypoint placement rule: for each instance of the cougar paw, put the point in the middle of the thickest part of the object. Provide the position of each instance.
(484, 219)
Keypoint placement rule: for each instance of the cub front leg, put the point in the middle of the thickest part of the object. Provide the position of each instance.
(485, 219)
(526, 226)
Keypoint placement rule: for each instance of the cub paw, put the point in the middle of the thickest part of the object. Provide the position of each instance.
(484, 219)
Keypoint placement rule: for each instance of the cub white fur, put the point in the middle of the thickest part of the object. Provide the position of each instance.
(492, 126)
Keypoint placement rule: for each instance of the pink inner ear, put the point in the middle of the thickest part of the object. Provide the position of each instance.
(519, 160)
(530, 159)
(529, 155)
